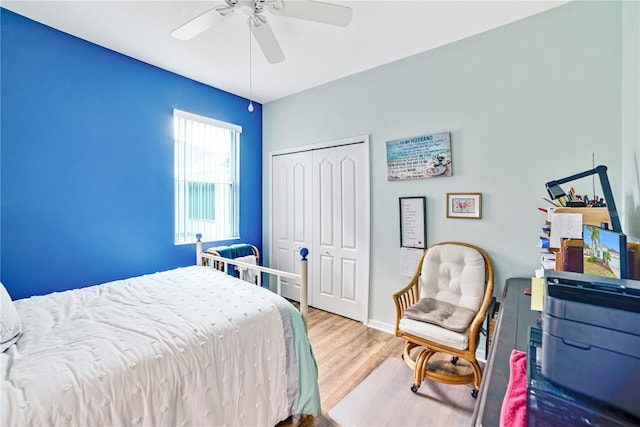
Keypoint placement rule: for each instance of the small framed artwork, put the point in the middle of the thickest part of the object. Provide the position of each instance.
(413, 222)
(464, 205)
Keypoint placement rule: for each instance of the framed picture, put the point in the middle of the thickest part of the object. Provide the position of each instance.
(413, 222)
(464, 205)
(425, 156)
(604, 252)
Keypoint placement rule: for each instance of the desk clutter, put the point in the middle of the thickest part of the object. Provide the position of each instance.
(581, 240)
(592, 224)
(583, 357)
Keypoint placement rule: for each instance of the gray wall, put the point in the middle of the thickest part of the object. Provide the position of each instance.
(525, 103)
(631, 118)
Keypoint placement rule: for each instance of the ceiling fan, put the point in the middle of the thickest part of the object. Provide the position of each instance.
(325, 13)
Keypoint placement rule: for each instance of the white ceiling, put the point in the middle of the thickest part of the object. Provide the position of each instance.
(380, 32)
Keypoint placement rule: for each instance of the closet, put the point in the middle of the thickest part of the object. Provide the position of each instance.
(320, 200)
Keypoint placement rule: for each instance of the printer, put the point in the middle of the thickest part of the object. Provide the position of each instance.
(591, 337)
(549, 405)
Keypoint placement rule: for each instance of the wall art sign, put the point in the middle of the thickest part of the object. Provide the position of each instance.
(413, 222)
(464, 205)
(426, 156)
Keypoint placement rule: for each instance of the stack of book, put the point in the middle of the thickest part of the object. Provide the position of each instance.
(547, 256)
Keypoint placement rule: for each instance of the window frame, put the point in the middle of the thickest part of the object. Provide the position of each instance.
(188, 233)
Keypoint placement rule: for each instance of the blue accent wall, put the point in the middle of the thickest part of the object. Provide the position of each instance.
(87, 161)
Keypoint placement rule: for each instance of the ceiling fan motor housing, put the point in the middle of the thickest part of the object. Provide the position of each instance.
(309, 10)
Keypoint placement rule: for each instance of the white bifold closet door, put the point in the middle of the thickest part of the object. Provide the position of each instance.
(290, 215)
(320, 200)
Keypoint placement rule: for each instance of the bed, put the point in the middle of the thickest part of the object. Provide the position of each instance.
(189, 346)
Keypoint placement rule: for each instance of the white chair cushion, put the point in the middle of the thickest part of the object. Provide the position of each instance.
(454, 274)
(428, 331)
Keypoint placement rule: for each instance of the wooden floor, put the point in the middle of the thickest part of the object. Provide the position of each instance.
(346, 352)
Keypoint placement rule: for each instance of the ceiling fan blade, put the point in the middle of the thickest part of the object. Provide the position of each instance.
(200, 24)
(266, 39)
(325, 13)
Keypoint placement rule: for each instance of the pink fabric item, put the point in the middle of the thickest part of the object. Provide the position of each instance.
(514, 405)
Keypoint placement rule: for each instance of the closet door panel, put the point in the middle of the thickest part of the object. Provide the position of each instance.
(338, 195)
(290, 215)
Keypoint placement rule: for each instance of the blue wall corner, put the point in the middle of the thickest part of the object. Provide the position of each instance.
(87, 161)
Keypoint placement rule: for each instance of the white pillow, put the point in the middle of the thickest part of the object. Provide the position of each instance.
(10, 325)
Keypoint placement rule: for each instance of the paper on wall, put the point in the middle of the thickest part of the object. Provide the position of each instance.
(409, 259)
(565, 225)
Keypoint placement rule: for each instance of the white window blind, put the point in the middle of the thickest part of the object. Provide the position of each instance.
(205, 176)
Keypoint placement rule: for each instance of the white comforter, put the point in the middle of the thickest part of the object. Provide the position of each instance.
(190, 346)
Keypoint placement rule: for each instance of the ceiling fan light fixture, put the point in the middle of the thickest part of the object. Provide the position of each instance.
(308, 10)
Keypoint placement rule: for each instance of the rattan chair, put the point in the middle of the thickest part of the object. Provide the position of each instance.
(450, 274)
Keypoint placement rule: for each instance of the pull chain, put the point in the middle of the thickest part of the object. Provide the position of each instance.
(250, 107)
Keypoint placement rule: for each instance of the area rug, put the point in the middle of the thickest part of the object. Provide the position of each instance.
(384, 398)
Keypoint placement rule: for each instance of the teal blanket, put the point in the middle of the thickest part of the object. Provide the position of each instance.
(308, 394)
(302, 370)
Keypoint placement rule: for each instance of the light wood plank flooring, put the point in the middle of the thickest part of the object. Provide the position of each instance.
(346, 352)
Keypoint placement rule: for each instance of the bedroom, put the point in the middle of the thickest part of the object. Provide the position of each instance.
(87, 151)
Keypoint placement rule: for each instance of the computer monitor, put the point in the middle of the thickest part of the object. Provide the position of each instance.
(605, 252)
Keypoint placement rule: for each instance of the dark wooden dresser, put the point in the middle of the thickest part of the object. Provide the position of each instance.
(511, 332)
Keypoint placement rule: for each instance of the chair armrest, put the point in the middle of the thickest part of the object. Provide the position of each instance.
(476, 324)
(405, 298)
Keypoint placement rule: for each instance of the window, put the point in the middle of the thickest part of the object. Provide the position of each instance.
(205, 176)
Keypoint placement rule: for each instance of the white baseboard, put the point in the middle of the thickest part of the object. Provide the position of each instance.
(381, 326)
